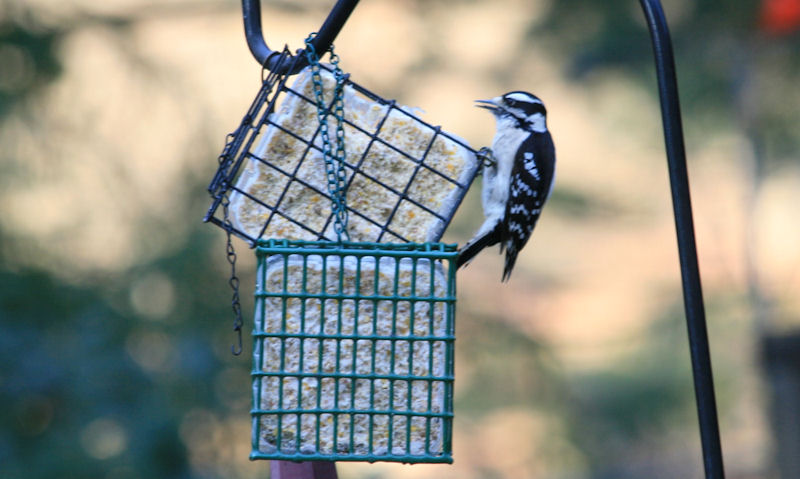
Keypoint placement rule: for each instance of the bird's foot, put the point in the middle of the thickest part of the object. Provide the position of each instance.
(486, 156)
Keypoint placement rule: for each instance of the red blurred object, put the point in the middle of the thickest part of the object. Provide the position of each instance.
(780, 17)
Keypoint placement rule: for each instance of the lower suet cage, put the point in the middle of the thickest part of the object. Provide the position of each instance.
(353, 351)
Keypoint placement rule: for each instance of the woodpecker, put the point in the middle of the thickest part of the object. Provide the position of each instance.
(518, 180)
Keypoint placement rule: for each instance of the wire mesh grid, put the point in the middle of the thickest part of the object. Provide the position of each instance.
(354, 351)
(405, 177)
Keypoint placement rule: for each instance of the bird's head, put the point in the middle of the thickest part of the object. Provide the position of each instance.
(524, 109)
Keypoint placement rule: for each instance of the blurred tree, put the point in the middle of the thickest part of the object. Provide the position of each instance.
(91, 384)
(111, 374)
(719, 48)
(28, 53)
(75, 401)
(735, 71)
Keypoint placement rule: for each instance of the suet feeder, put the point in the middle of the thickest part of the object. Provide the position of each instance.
(354, 351)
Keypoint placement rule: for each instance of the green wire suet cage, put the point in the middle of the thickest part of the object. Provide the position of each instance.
(353, 340)
(353, 351)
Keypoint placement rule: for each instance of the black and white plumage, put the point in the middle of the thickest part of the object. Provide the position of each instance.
(518, 182)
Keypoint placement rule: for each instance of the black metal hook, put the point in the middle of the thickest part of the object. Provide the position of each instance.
(270, 59)
(687, 249)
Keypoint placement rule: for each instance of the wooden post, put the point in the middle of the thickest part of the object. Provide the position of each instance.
(302, 470)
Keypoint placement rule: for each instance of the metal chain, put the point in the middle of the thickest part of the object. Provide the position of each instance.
(334, 162)
(233, 281)
(334, 167)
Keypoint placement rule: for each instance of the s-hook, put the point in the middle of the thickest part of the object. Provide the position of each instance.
(269, 59)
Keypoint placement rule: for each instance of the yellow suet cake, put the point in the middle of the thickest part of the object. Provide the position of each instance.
(375, 194)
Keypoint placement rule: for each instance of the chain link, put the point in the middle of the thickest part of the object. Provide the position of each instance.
(233, 281)
(334, 161)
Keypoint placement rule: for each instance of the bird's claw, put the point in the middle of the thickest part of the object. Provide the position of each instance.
(486, 156)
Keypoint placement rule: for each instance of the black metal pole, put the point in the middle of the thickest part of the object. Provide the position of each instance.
(333, 24)
(251, 12)
(687, 249)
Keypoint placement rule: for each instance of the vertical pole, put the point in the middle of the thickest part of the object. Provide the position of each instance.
(687, 249)
(302, 470)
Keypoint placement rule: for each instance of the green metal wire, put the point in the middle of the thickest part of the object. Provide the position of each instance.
(334, 162)
(380, 429)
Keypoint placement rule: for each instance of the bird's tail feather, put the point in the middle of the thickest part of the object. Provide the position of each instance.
(511, 258)
(475, 245)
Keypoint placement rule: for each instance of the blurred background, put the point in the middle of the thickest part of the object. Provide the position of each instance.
(115, 322)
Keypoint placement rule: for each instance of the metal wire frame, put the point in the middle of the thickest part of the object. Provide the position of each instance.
(240, 144)
(428, 258)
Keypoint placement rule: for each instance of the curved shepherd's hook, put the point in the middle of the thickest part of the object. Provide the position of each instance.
(687, 249)
(269, 59)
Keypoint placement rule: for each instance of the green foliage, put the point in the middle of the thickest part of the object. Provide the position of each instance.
(63, 367)
(79, 368)
(29, 55)
(634, 401)
(731, 74)
(518, 370)
(95, 381)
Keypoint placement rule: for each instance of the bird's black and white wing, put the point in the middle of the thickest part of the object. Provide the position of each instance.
(529, 188)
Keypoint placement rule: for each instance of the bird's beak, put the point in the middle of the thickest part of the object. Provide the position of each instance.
(492, 105)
